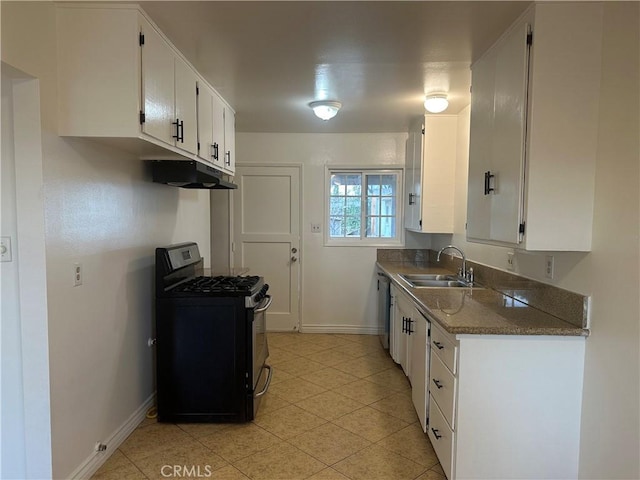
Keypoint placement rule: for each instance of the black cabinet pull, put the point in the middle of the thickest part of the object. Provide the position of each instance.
(214, 155)
(409, 324)
(438, 345)
(487, 182)
(435, 433)
(437, 382)
(404, 323)
(411, 200)
(179, 136)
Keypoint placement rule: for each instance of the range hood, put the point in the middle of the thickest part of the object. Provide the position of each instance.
(188, 174)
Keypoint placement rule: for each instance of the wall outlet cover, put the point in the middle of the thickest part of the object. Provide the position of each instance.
(315, 228)
(5, 249)
(510, 265)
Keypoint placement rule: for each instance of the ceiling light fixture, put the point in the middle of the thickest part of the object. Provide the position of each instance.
(325, 110)
(436, 103)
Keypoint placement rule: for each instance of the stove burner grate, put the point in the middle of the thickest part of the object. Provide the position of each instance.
(219, 284)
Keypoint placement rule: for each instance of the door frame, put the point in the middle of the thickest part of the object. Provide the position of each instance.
(232, 226)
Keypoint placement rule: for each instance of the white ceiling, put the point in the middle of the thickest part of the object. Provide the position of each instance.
(269, 59)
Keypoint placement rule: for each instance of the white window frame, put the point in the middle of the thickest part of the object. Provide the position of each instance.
(398, 240)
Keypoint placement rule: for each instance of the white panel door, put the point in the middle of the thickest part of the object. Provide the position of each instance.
(157, 85)
(267, 236)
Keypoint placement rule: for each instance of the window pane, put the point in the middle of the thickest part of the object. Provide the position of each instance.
(373, 227)
(388, 206)
(337, 206)
(373, 205)
(373, 184)
(354, 206)
(387, 227)
(388, 183)
(354, 185)
(352, 226)
(338, 183)
(336, 227)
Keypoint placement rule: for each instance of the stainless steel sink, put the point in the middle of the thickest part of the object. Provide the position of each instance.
(433, 281)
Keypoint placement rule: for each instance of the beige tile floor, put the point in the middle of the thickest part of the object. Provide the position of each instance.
(338, 408)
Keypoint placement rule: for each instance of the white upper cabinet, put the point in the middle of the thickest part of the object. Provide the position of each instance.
(122, 81)
(430, 174)
(158, 84)
(229, 139)
(186, 117)
(533, 133)
(216, 135)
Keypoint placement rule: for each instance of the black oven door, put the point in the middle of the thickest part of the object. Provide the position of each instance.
(260, 352)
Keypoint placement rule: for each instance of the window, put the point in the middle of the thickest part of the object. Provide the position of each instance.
(363, 205)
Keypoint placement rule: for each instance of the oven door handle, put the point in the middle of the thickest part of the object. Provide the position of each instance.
(266, 385)
(262, 309)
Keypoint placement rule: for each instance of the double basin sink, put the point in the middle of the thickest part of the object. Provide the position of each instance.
(427, 280)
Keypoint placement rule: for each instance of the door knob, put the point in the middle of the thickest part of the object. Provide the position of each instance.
(294, 250)
(294, 259)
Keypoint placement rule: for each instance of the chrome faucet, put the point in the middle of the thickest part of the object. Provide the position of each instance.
(462, 272)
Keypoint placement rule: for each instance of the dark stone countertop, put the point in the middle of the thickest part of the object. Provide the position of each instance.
(478, 310)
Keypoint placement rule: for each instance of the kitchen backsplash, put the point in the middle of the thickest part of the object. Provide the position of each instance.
(568, 306)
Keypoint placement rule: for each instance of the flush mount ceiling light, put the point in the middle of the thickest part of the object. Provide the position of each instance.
(436, 103)
(325, 110)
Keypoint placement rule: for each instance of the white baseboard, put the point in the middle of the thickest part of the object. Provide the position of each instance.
(347, 329)
(95, 460)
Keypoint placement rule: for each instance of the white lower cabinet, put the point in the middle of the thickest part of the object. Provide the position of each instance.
(505, 406)
(408, 347)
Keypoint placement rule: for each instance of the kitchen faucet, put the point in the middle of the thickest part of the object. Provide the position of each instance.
(462, 272)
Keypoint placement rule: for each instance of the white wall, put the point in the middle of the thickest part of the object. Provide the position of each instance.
(610, 437)
(338, 283)
(101, 210)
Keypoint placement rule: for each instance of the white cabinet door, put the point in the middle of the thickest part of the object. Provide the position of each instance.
(218, 131)
(185, 107)
(496, 158)
(229, 140)
(480, 139)
(430, 169)
(419, 367)
(157, 85)
(205, 123)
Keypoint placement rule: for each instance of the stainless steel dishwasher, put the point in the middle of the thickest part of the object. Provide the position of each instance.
(384, 294)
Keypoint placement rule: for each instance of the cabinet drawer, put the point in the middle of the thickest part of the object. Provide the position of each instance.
(444, 348)
(441, 437)
(442, 385)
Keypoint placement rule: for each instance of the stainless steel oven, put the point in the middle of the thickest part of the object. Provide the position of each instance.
(260, 351)
(211, 340)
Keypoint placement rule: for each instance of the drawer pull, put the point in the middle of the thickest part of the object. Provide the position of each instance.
(435, 433)
(438, 345)
(437, 382)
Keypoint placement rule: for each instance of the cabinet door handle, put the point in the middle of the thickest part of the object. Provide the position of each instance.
(227, 156)
(404, 323)
(437, 382)
(409, 324)
(438, 345)
(411, 199)
(215, 151)
(435, 433)
(487, 182)
(179, 136)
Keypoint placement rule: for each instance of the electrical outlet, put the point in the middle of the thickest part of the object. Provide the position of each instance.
(5, 249)
(77, 274)
(548, 266)
(100, 447)
(509, 260)
(315, 228)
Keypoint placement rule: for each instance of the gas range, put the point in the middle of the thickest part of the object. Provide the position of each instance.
(211, 340)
